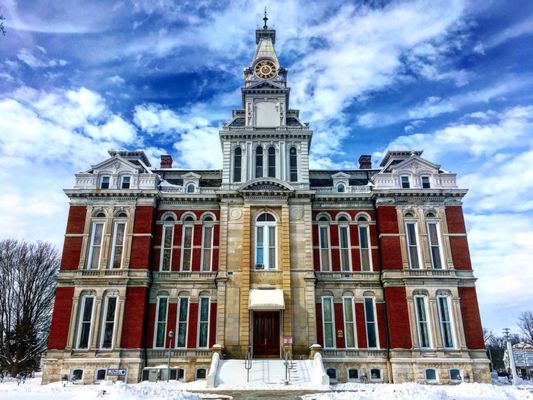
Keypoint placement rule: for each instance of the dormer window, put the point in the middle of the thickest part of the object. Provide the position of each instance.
(104, 182)
(405, 182)
(125, 182)
(341, 188)
(425, 182)
(190, 188)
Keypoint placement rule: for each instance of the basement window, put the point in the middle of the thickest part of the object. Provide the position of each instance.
(431, 375)
(455, 375)
(201, 373)
(76, 376)
(375, 374)
(353, 375)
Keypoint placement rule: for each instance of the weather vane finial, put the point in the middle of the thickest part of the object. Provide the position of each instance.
(265, 18)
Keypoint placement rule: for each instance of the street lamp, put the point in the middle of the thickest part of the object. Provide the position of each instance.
(170, 336)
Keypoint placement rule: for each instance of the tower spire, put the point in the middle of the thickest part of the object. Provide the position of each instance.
(265, 18)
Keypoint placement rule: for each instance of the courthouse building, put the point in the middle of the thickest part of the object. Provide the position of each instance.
(371, 263)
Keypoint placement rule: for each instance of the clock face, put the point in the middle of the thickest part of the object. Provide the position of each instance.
(265, 69)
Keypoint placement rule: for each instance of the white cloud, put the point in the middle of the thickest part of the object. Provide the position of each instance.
(38, 59)
(116, 80)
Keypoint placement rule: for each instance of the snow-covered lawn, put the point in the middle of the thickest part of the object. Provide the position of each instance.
(32, 390)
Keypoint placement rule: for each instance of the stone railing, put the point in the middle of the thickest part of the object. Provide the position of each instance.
(185, 353)
(354, 353)
(349, 189)
(184, 276)
(347, 276)
(445, 273)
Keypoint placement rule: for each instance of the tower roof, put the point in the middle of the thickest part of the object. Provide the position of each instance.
(265, 38)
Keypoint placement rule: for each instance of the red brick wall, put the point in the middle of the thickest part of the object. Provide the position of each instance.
(339, 325)
(61, 318)
(361, 327)
(319, 325)
(72, 246)
(390, 247)
(141, 245)
(471, 318)
(150, 325)
(135, 309)
(193, 325)
(398, 318)
(213, 324)
(171, 322)
(382, 333)
(458, 244)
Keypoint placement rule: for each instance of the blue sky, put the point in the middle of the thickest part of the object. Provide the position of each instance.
(453, 78)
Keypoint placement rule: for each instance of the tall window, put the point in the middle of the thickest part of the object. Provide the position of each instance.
(412, 244)
(445, 319)
(422, 322)
(203, 323)
(117, 248)
(364, 244)
(183, 311)
(405, 182)
(425, 182)
(265, 242)
(125, 182)
(323, 237)
(349, 321)
(259, 162)
(293, 165)
(84, 323)
(271, 162)
(237, 164)
(104, 182)
(370, 322)
(161, 322)
(108, 322)
(434, 244)
(186, 244)
(329, 325)
(167, 241)
(344, 244)
(95, 246)
(207, 243)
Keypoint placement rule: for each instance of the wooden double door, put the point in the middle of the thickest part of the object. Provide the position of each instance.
(266, 333)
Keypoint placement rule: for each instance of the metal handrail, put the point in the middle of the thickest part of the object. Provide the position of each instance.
(287, 355)
(248, 363)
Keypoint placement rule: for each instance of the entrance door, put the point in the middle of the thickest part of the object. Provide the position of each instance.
(266, 334)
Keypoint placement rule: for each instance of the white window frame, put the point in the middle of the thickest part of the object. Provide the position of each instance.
(104, 322)
(380, 379)
(436, 380)
(265, 226)
(460, 375)
(291, 170)
(122, 178)
(200, 322)
(408, 181)
(353, 323)
(324, 225)
(114, 244)
(366, 227)
(441, 321)
(375, 322)
(345, 225)
(343, 187)
(91, 244)
(439, 243)
(427, 322)
(156, 323)
(96, 374)
(186, 225)
(256, 164)
(165, 225)
(80, 321)
(415, 223)
(211, 225)
(422, 181)
(102, 181)
(348, 379)
(234, 165)
(328, 298)
(189, 185)
(275, 162)
(180, 299)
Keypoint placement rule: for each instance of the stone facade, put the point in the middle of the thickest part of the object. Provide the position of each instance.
(371, 263)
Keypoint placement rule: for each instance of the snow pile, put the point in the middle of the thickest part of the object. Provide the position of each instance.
(413, 391)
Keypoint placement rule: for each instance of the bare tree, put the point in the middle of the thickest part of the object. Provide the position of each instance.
(28, 272)
(525, 323)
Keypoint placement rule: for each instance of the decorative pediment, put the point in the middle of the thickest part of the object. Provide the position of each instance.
(115, 165)
(416, 164)
(191, 176)
(340, 176)
(265, 85)
(266, 184)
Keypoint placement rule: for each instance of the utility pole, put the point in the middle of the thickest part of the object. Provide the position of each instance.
(510, 355)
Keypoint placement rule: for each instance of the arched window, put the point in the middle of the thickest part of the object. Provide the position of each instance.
(107, 327)
(117, 244)
(422, 321)
(265, 241)
(207, 243)
(105, 181)
(186, 243)
(84, 322)
(324, 244)
(271, 162)
(344, 243)
(95, 241)
(167, 241)
(446, 321)
(190, 188)
(237, 164)
(341, 188)
(364, 243)
(293, 165)
(259, 162)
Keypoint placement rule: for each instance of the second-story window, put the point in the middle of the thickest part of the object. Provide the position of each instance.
(265, 241)
(104, 181)
(207, 243)
(125, 182)
(186, 243)
(425, 182)
(293, 165)
(344, 244)
(324, 247)
(412, 244)
(117, 246)
(422, 319)
(405, 182)
(237, 164)
(271, 162)
(259, 162)
(364, 244)
(167, 241)
(95, 245)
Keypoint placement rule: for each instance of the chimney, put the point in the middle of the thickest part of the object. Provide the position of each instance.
(365, 162)
(166, 161)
